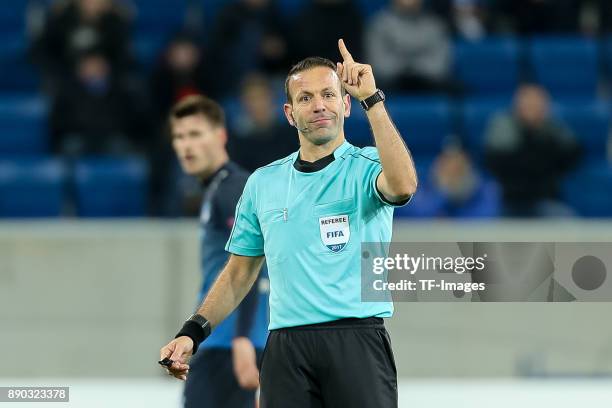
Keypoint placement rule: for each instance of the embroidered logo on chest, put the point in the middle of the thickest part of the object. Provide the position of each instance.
(335, 231)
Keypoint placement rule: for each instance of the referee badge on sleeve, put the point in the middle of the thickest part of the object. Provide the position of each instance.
(335, 231)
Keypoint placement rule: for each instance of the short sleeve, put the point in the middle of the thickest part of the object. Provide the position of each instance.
(372, 170)
(225, 202)
(246, 238)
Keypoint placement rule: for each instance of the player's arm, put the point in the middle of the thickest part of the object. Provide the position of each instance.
(227, 292)
(398, 180)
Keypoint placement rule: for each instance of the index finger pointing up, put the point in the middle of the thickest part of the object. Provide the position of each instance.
(346, 55)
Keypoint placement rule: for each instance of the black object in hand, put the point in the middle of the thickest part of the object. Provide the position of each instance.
(166, 362)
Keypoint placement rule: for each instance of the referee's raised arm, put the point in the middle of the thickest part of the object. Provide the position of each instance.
(398, 180)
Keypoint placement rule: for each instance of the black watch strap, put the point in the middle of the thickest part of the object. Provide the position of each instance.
(197, 328)
(372, 100)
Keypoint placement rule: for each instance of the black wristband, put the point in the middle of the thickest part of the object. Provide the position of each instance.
(196, 332)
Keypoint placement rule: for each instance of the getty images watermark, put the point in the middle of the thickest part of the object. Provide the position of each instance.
(486, 271)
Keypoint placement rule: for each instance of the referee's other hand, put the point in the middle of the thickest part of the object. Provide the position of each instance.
(244, 360)
(179, 351)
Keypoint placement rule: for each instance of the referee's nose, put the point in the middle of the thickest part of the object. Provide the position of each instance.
(318, 105)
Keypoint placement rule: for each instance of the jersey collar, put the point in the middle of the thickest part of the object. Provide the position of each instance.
(311, 167)
(341, 149)
(227, 166)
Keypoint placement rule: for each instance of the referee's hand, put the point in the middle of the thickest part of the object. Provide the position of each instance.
(357, 78)
(179, 351)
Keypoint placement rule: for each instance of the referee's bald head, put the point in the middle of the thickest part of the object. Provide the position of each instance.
(305, 65)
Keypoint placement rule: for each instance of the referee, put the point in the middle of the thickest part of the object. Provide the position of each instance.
(224, 371)
(308, 214)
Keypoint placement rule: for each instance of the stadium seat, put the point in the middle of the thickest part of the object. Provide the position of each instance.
(31, 187)
(23, 124)
(425, 123)
(111, 187)
(291, 8)
(425, 203)
(357, 129)
(475, 117)
(588, 190)
(159, 16)
(607, 56)
(590, 123)
(566, 66)
(17, 74)
(13, 17)
(370, 7)
(233, 110)
(488, 67)
(147, 48)
(210, 11)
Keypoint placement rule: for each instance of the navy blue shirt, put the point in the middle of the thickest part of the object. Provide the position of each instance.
(222, 191)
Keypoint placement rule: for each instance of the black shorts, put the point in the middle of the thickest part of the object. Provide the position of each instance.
(211, 382)
(346, 363)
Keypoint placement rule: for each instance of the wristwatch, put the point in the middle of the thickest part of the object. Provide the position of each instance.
(372, 100)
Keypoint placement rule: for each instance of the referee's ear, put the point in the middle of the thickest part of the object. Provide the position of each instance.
(346, 99)
(288, 110)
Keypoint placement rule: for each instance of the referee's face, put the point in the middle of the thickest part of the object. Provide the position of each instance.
(198, 144)
(317, 107)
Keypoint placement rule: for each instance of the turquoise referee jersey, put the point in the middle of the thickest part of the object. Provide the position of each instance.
(310, 226)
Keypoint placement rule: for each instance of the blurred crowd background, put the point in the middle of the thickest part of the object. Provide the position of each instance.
(505, 104)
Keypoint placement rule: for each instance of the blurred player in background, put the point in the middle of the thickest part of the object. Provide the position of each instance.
(224, 373)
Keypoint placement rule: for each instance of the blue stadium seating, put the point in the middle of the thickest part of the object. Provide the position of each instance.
(588, 190)
(607, 56)
(12, 17)
(590, 123)
(159, 16)
(147, 47)
(291, 8)
(17, 74)
(425, 123)
(425, 202)
(356, 127)
(370, 7)
(23, 124)
(111, 187)
(489, 66)
(31, 187)
(567, 66)
(476, 115)
(211, 9)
